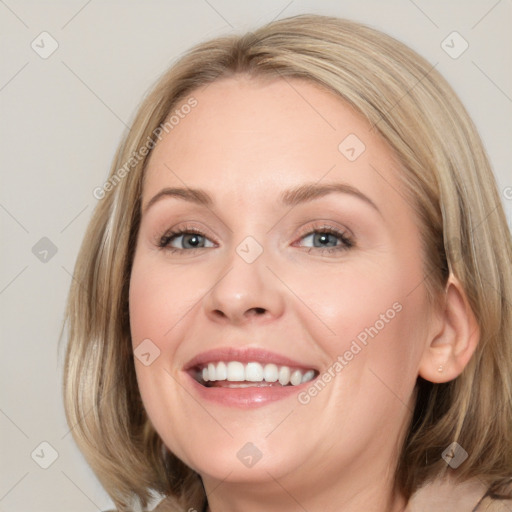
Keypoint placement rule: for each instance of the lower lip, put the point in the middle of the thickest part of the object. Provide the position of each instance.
(245, 397)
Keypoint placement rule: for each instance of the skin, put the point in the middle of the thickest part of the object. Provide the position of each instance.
(244, 143)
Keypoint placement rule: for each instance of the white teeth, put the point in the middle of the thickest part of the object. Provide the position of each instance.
(308, 376)
(221, 372)
(284, 375)
(296, 378)
(254, 372)
(270, 373)
(235, 371)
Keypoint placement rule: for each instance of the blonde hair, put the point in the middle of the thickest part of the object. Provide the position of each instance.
(449, 182)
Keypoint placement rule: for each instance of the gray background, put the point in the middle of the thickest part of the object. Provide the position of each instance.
(61, 120)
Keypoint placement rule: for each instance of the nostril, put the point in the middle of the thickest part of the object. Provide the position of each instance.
(249, 312)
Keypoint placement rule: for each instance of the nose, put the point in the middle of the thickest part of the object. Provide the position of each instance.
(244, 292)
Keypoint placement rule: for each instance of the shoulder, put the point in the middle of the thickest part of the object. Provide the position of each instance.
(497, 500)
(447, 496)
(492, 505)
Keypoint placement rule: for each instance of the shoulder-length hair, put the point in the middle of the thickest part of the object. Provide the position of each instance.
(447, 176)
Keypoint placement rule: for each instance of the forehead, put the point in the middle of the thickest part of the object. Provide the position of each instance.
(263, 136)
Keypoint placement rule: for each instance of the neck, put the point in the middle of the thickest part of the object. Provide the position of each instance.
(340, 494)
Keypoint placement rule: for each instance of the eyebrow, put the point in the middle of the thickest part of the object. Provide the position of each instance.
(292, 197)
(193, 195)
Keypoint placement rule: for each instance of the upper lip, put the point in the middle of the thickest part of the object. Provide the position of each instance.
(245, 355)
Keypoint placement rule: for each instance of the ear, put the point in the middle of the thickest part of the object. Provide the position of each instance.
(453, 338)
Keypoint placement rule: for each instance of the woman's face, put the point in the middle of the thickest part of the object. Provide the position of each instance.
(301, 257)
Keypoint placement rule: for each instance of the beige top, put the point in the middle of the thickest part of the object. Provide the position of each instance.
(443, 496)
(440, 496)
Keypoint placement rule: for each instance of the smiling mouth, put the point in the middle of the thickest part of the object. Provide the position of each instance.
(234, 374)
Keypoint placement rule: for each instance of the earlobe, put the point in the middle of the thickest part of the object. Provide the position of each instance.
(449, 348)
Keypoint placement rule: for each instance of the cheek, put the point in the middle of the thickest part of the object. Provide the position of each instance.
(158, 299)
(375, 314)
(153, 308)
(379, 324)
(156, 304)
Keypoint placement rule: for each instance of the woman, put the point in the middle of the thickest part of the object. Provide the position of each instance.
(295, 290)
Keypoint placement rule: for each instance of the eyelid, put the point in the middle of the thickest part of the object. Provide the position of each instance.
(327, 225)
(181, 230)
(343, 234)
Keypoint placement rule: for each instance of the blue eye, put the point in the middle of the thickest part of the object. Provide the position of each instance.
(328, 239)
(191, 239)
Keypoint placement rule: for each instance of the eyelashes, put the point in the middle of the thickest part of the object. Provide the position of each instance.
(170, 236)
(335, 239)
(327, 234)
